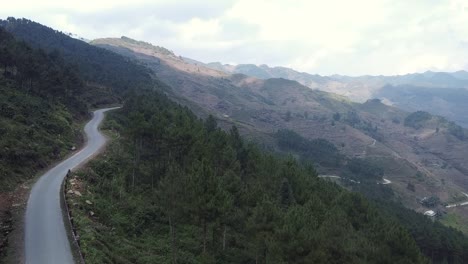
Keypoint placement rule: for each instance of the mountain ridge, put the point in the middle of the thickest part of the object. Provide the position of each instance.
(274, 71)
(430, 85)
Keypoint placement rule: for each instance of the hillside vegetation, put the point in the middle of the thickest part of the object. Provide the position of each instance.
(97, 66)
(48, 81)
(432, 155)
(177, 189)
(319, 151)
(40, 100)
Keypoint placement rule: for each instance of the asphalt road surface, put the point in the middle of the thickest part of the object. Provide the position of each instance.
(46, 237)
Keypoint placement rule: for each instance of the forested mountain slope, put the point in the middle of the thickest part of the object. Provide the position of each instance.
(174, 188)
(42, 102)
(98, 67)
(432, 154)
(41, 98)
(47, 83)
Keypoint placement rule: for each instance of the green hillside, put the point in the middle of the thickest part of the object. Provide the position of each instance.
(173, 188)
(41, 98)
(434, 156)
(95, 65)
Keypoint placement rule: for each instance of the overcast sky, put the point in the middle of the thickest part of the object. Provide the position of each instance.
(317, 36)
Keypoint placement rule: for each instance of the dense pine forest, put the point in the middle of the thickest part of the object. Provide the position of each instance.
(40, 97)
(48, 82)
(98, 67)
(438, 242)
(174, 188)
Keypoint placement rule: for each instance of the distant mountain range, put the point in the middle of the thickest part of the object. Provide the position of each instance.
(440, 93)
(457, 79)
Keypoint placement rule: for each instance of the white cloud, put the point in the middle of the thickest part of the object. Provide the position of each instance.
(326, 37)
(198, 30)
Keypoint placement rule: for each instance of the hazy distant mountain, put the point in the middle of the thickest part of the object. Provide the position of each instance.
(462, 75)
(444, 89)
(451, 103)
(441, 79)
(265, 72)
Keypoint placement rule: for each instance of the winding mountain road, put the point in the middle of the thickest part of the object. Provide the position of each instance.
(46, 237)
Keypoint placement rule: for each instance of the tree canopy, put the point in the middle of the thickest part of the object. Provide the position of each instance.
(197, 194)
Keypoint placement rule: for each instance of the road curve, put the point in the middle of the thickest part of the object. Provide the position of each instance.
(46, 238)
